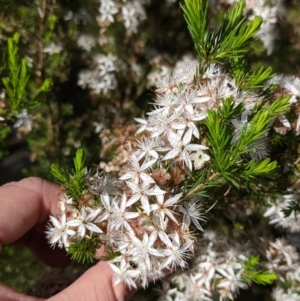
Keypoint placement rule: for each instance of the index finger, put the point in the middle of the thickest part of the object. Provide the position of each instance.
(24, 204)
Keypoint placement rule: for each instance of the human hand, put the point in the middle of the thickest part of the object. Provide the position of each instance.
(25, 207)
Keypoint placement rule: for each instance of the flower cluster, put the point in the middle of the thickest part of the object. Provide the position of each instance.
(131, 13)
(145, 216)
(101, 76)
(280, 215)
(149, 222)
(280, 257)
(217, 268)
(148, 237)
(284, 260)
(101, 56)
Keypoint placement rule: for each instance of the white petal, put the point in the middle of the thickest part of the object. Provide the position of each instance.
(145, 204)
(133, 186)
(74, 223)
(55, 222)
(155, 191)
(140, 120)
(93, 228)
(126, 176)
(197, 224)
(171, 154)
(146, 178)
(201, 99)
(194, 147)
(187, 137)
(173, 200)
(131, 215)
(132, 200)
(148, 164)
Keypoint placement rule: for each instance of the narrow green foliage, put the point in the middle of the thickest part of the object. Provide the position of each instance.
(73, 182)
(46, 87)
(219, 136)
(229, 42)
(79, 161)
(256, 79)
(50, 26)
(270, 90)
(17, 88)
(4, 134)
(258, 126)
(84, 250)
(251, 272)
(269, 111)
(16, 83)
(255, 169)
(247, 80)
(226, 154)
(220, 133)
(230, 109)
(196, 16)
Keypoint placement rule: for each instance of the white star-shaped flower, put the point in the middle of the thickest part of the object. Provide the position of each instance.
(181, 148)
(125, 273)
(86, 221)
(164, 207)
(59, 232)
(142, 192)
(138, 172)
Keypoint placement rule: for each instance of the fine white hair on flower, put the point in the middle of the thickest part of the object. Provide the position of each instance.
(281, 258)
(176, 253)
(142, 193)
(121, 217)
(239, 125)
(191, 213)
(199, 158)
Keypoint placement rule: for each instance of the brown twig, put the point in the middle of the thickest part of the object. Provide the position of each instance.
(211, 207)
(213, 176)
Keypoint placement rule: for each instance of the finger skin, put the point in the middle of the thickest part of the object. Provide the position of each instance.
(25, 209)
(96, 284)
(25, 204)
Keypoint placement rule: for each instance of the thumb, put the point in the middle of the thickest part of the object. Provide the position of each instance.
(96, 284)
